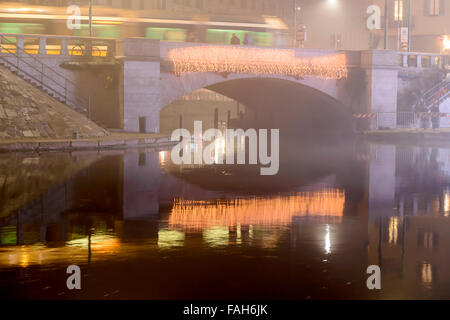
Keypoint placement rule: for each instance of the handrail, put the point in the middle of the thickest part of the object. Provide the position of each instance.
(79, 102)
(65, 97)
(428, 98)
(434, 87)
(33, 67)
(34, 58)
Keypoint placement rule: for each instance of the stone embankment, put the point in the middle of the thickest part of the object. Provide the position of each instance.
(27, 112)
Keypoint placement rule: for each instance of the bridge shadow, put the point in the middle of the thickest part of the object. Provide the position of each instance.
(295, 108)
(292, 107)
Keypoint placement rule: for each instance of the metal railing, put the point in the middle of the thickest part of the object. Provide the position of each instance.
(438, 93)
(44, 76)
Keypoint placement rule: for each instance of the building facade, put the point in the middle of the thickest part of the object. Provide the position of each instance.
(342, 24)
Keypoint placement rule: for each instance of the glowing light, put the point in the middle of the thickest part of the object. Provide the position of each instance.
(398, 10)
(219, 149)
(99, 243)
(194, 216)
(332, 3)
(107, 22)
(24, 10)
(327, 240)
(446, 204)
(427, 274)
(229, 59)
(393, 231)
(216, 236)
(163, 156)
(169, 239)
(24, 260)
(446, 43)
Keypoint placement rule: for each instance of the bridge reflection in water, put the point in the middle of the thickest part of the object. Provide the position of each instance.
(131, 224)
(199, 215)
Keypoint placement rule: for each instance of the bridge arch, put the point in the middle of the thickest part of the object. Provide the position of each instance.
(174, 87)
(277, 100)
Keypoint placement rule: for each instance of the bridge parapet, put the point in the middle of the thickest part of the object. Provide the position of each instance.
(421, 60)
(166, 46)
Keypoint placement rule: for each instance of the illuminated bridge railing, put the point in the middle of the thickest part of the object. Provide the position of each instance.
(57, 45)
(255, 61)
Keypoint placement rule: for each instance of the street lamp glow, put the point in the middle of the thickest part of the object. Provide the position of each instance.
(333, 3)
(446, 43)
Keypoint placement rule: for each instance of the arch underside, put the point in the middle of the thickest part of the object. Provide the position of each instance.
(175, 87)
(277, 101)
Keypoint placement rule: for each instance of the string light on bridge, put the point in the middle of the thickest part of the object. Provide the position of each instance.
(258, 61)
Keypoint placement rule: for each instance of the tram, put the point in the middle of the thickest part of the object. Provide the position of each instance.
(18, 18)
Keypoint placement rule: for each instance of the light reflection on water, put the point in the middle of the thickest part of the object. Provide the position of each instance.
(179, 230)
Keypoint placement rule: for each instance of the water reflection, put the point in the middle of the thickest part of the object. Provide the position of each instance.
(311, 231)
(191, 215)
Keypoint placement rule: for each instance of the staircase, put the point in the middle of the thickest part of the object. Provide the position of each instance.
(438, 93)
(43, 77)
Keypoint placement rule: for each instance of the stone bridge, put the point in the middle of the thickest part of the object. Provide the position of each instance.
(151, 81)
(149, 76)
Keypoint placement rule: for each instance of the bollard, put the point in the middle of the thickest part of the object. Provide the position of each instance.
(181, 125)
(216, 118)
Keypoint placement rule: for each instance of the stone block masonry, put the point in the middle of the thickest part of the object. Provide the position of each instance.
(28, 112)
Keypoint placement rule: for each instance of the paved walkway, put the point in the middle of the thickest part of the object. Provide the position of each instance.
(113, 140)
(433, 135)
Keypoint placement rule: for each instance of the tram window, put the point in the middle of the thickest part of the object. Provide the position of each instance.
(26, 28)
(224, 36)
(101, 31)
(168, 34)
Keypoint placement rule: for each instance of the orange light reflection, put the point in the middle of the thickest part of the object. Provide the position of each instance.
(194, 216)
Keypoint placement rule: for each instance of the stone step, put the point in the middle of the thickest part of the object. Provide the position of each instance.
(41, 87)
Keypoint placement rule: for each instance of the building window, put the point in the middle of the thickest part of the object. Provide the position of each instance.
(427, 240)
(398, 10)
(434, 7)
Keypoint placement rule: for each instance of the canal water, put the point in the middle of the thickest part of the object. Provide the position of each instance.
(140, 227)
